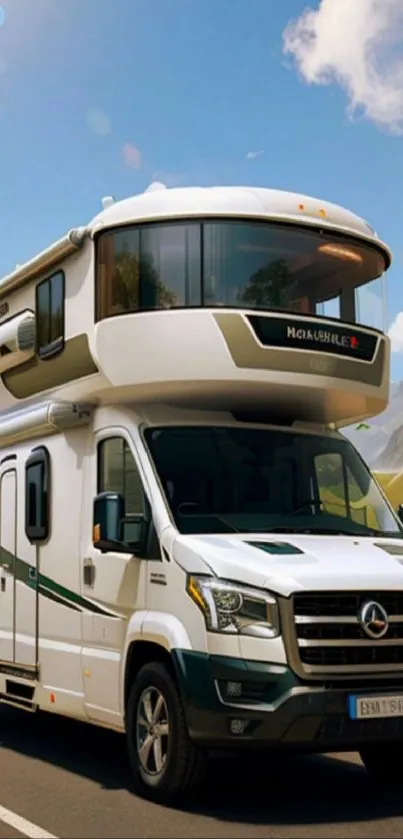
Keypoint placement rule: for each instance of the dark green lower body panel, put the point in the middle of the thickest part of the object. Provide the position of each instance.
(275, 708)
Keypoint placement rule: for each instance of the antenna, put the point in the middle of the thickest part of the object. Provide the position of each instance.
(107, 202)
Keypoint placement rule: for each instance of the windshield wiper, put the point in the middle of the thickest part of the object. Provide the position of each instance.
(204, 516)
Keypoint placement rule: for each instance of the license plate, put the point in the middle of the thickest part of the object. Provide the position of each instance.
(375, 706)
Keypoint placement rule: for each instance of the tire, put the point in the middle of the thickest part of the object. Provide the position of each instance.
(161, 772)
(383, 762)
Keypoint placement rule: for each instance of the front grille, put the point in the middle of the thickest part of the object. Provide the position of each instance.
(336, 604)
(330, 639)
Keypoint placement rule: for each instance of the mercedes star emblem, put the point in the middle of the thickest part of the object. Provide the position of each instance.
(373, 619)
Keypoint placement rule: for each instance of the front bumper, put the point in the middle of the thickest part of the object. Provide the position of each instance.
(275, 709)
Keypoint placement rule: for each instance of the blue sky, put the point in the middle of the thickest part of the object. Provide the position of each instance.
(99, 97)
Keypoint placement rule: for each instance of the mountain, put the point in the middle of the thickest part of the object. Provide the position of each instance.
(380, 439)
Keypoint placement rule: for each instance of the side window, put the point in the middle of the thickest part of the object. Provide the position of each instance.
(118, 273)
(117, 472)
(148, 267)
(329, 308)
(340, 493)
(37, 495)
(331, 482)
(50, 315)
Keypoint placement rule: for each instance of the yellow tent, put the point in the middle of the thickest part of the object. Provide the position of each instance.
(392, 485)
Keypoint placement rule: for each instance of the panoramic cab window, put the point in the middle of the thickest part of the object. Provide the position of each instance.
(370, 304)
(238, 264)
(268, 266)
(329, 309)
(148, 267)
(50, 315)
(118, 272)
(170, 266)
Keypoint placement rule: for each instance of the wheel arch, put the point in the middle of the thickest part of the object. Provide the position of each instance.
(152, 637)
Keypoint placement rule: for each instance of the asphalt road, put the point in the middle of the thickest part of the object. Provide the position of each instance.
(62, 779)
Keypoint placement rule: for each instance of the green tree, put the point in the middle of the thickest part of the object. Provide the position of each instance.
(129, 270)
(269, 287)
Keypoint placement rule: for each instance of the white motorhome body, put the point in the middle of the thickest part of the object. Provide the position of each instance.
(191, 552)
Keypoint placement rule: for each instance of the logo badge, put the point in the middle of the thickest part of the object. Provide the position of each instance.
(373, 620)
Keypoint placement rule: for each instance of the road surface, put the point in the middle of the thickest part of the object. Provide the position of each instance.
(63, 779)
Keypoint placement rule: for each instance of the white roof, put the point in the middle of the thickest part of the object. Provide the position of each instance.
(159, 203)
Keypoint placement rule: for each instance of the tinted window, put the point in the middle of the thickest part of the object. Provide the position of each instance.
(118, 472)
(251, 264)
(170, 266)
(37, 495)
(50, 315)
(152, 267)
(219, 479)
(267, 266)
(118, 272)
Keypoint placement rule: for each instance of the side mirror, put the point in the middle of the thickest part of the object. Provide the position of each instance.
(400, 512)
(112, 530)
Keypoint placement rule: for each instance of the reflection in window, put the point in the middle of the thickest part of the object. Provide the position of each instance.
(226, 479)
(152, 267)
(340, 493)
(170, 266)
(245, 264)
(119, 271)
(330, 308)
(268, 266)
(118, 472)
(370, 304)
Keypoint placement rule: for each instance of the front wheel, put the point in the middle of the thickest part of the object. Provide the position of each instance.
(163, 759)
(383, 762)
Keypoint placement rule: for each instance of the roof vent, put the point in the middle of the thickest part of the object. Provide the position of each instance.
(107, 202)
(156, 186)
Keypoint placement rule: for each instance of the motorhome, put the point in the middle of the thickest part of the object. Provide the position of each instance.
(192, 553)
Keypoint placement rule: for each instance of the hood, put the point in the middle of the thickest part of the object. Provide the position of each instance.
(289, 563)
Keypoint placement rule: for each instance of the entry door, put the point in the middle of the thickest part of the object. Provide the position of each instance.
(8, 561)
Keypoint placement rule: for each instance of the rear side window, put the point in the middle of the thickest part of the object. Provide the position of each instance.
(50, 294)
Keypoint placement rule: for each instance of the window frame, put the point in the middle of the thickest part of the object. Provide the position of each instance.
(348, 307)
(36, 533)
(139, 228)
(55, 347)
(100, 443)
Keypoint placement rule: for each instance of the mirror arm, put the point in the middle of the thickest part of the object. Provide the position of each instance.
(112, 546)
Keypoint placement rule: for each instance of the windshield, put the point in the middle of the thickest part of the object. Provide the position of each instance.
(220, 479)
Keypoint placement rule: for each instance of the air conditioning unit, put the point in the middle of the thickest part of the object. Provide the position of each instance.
(17, 340)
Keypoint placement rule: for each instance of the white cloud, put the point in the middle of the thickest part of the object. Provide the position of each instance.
(396, 333)
(252, 155)
(359, 45)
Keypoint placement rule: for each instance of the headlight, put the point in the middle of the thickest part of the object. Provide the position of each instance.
(235, 609)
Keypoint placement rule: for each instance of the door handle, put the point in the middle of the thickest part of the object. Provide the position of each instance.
(89, 572)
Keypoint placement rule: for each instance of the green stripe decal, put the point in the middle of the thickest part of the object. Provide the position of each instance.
(26, 574)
